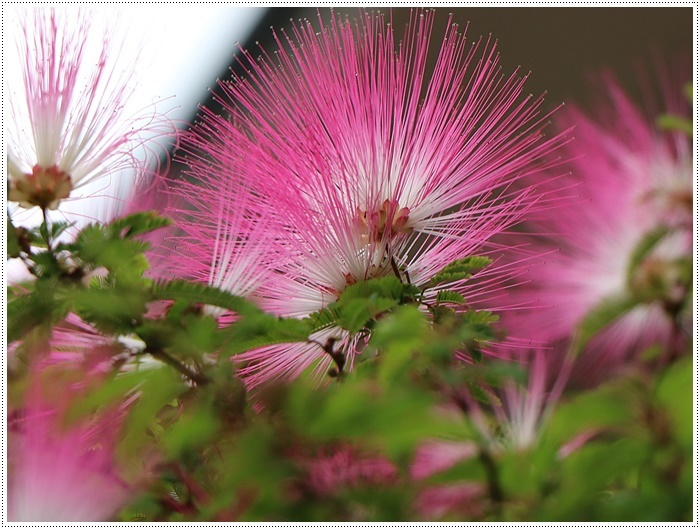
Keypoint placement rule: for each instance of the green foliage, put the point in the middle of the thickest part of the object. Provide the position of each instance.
(674, 395)
(41, 306)
(602, 315)
(675, 123)
(197, 293)
(261, 329)
(458, 270)
(450, 296)
(137, 224)
(13, 244)
(621, 451)
(643, 248)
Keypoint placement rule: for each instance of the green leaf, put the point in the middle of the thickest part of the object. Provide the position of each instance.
(111, 310)
(57, 228)
(450, 296)
(137, 224)
(197, 293)
(675, 393)
(601, 316)
(13, 247)
(399, 337)
(386, 287)
(322, 319)
(357, 314)
(607, 406)
(156, 391)
(259, 330)
(461, 269)
(193, 429)
(675, 123)
(36, 308)
(642, 250)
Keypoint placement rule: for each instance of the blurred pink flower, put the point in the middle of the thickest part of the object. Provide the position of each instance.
(635, 181)
(329, 472)
(521, 410)
(59, 472)
(456, 501)
(437, 456)
(364, 163)
(68, 122)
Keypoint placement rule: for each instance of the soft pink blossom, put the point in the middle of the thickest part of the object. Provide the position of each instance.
(62, 472)
(331, 471)
(360, 171)
(634, 179)
(462, 501)
(436, 456)
(68, 121)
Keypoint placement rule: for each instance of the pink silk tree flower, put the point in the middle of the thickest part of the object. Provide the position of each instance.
(626, 242)
(62, 473)
(222, 238)
(365, 163)
(68, 121)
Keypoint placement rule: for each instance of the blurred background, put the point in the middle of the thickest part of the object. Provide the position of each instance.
(179, 51)
(564, 48)
(561, 46)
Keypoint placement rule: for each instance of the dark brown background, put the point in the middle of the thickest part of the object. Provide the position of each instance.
(563, 46)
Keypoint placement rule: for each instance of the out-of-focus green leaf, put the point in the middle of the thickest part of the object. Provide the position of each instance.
(258, 330)
(399, 338)
(157, 389)
(191, 430)
(675, 394)
(40, 307)
(386, 287)
(602, 315)
(642, 250)
(111, 310)
(356, 314)
(675, 123)
(607, 406)
(13, 247)
(57, 228)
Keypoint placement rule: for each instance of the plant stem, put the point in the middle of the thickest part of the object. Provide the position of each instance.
(46, 225)
(195, 377)
(494, 484)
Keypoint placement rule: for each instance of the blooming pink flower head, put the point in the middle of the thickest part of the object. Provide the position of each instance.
(62, 472)
(68, 121)
(366, 163)
(629, 237)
